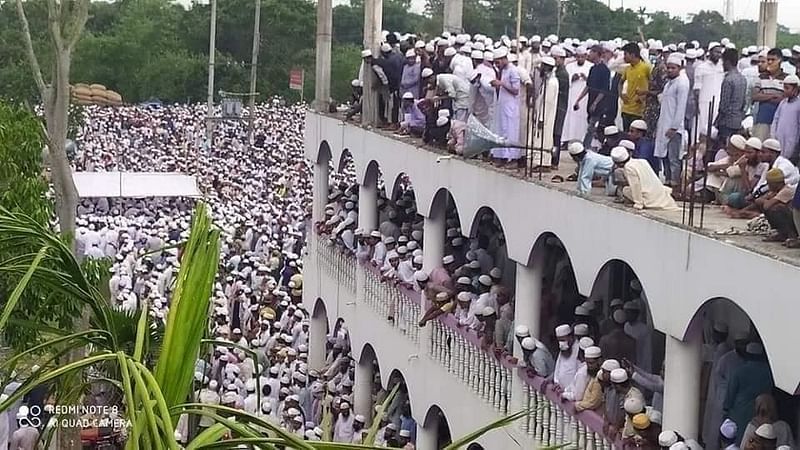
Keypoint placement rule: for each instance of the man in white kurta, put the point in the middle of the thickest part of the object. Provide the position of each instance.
(708, 84)
(670, 129)
(545, 114)
(644, 189)
(575, 123)
(507, 108)
(482, 94)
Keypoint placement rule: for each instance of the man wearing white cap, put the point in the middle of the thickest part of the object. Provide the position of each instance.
(343, 428)
(456, 89)
(358, 429)
(507, 113)
(718, 387)
(575, 124)
(591, 165)
(537, 357)
(483, 94)
(669, 132)
(787, 117)
(644, 189)
(544, 121)
(413, 121)
(727, 435)
(708, 78)
(591, 358)
(410, 80)
(567, 360)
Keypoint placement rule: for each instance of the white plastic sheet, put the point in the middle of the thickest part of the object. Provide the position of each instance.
(135, 184)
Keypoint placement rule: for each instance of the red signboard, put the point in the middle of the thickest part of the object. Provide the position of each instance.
(296, 77)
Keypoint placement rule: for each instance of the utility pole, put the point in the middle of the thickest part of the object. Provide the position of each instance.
(558, 18)
(519, 24)
(254, 69)
(212, 49)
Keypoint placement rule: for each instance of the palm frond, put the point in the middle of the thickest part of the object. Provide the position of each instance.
(11, 303)
(376, 422)
(500, 423)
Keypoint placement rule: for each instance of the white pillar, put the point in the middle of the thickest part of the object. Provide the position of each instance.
(433, 241)
(363, 389)
(527, 310)
(373, 23)
(682, 386)
(453, 14)
(428, 437)
(368, 206)
(320, 190)
(317, 338)
(322, 82)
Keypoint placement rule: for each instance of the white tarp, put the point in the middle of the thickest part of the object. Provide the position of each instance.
(135, 184)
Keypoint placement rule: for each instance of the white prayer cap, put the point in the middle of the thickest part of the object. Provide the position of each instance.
(619, 154)
(610, 365)
(488, 311)
(476, 54)
(441, 296)
(521, 330)
(528, 343)
(581, 329)
(632, 405)
(344, 405)
(558, 51)
(548, 61)
(766, 431)
(389, 240)
(512, 57)
(592, 352)
(474, 264)
(581, 311)
(619, 316)
(410, 53)
(619, 376)
(748, 123)
(464, 280)
(429, 48)
(419, 44)
(360, 418)
(675, 59)
(575, 148)
(495, 272)
(691, 54)
(679, 446)
(366, 53)
(213, 385)
(536, 38)
(464, 296)
(563, 330)
(501, 52)
(791, 79)
(639, 124)
(449, 51)
(739, 141)
(385, 47)
(783, 447)
(655, 416)
(610, 130)
(657, 45)
(354, 83)
(404, 433)
(585, 342)
(420, 276)
(712, 45)
(488, 55)
(667, 438)
(772, 144)
(628, 145)
(485, 280)
(466, 49)
(728, 429)
(441, 121)
(426, 72)
(581, 51)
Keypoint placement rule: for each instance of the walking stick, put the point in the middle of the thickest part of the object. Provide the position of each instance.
(705, 172)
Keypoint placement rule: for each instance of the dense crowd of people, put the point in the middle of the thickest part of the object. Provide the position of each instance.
(601, 355)
(650, 122)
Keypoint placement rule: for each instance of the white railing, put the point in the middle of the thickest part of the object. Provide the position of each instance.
(459, 351)
(392, 304)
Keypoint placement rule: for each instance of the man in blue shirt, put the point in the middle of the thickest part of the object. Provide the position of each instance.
(591, 165)
(598, 88)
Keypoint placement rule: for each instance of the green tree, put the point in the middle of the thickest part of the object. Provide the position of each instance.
(707, 26)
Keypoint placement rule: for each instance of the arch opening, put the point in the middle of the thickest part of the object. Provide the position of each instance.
(436, 420)
(324, 154)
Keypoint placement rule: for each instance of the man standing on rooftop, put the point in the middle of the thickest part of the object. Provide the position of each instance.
(637, 75)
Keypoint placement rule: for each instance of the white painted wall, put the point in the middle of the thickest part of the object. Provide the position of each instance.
(679, 270)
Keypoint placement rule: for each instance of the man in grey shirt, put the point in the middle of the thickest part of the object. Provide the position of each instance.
(733, 97)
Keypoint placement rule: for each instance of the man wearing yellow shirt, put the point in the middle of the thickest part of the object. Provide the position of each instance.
(637, 75)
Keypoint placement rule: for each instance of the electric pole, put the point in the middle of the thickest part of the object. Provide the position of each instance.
(254, 69)
(212, 49)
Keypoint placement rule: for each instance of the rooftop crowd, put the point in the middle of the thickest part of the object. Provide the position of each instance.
(649, 122)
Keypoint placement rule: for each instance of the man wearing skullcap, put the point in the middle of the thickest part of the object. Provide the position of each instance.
(766, 412)
(775, 204)
(591, 165)
(410, 78)
(626, 394)
(747, 382)
(507, 112)
(589, 356)
(545, 112)
(208, 396)
(443, 303)
(644, 189)
(669, 129)
(787, 116)
(575, 124)
(567, 360)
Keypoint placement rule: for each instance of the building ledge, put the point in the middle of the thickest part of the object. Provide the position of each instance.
(716, 224)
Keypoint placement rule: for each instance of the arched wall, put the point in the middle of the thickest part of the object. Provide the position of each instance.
(324, 153)
(320, 312)
(671, 263)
